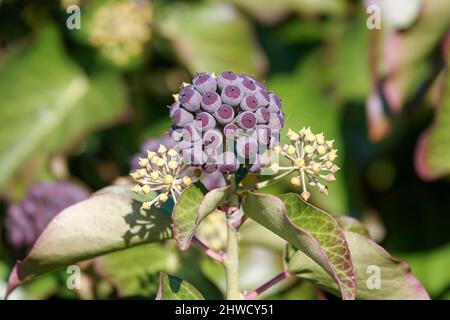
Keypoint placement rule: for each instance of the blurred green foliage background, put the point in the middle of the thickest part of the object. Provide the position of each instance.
(77, 104)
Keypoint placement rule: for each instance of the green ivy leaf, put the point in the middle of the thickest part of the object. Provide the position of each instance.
(211, 37)
(309, 229)
(351, 224)
(191, 208)
(432, 159)
(104, 223)
(396, 280)
(172, 288)
(54, 105)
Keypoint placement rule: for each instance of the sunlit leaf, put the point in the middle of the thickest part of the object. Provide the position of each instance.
(172, 288)
(372, 263)
(309, 229)
(211, 37)
(101, 224)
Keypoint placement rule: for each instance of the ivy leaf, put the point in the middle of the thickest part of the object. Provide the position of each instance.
(432, 158)
(104, 223)
(396, 280)
(211, 37)
(172, 288)
(191, 208)
(308, 229)
(351, 224)
(54, 105)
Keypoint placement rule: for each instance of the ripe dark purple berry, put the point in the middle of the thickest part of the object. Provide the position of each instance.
(262, 115)
(211, 101)
(228, 163)
(246, 120)
(274, 104)
(204, 82)
(190, 99)
(232, 95)
(205, 121)
(224, 114)
(227, 78)
(249, 103)
(181, 117)
(246, 147)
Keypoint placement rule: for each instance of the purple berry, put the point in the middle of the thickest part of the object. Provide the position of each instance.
(212, 140)
(228, 163)
(209, 168)
(246, 147)
(182, 117)
(224, 114)
(262, 134)
(263, 97)
(246, 120)
(227, 78)
(204, 121)
(231, 95)
(262, 115)
(248, 84)
(204, 82)
(274, 104)
(190, 99)
(211, 101)
(249, 103)
(194, 155)
(174, 107)
(275, 121)
(213, 180)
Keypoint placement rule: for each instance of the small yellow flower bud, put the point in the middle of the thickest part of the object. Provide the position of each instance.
(290, 150)
(316, 167)
(154, 159)
(143, 162)
(141, 172)
(329, 143)
(321, 150)
(277, 149)
(309, 149)
(168, 179)
(328, 164)
(163, 197)
(176, 97)
(305, 195)
(299, 163)
(310, 137)
(332, 155)
(145, 188)
(160, 162)
(275, 167)
(307, 131)
(172, 164)
(330, 177)
(146, 205)
(172, 152)
(154, 175)
(292, 135)
(320, 138)
(136, 189)
(334, 168)
(323, 189)
(187, 180)
(162, 149)
(150, 154)
(295, 181)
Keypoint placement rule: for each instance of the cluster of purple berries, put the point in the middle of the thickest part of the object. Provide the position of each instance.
(26, 220)
(225, 121)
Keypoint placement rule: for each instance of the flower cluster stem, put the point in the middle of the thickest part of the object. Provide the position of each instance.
(231, 263)
(266, 286)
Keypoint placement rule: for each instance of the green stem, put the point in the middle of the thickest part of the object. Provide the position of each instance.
(231, 263)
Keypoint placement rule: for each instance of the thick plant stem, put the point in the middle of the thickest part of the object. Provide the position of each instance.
(231, 263)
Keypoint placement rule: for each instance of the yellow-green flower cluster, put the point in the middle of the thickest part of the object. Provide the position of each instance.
(312, 158)
(162, 171)
(120, 29)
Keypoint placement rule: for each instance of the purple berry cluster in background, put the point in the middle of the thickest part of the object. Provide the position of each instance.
(225, 121)
(26, 220)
